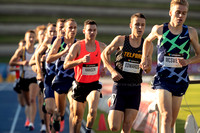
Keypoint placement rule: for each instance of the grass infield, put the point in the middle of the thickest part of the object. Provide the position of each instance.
(192, 96)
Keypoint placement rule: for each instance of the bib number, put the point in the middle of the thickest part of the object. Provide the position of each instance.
(131, 67)
(172, 60)
(90, 69)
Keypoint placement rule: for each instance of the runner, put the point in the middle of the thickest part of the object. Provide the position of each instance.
(171, 80)
(40, 34)
(46, 74)
(127, 75)
(84, 56)
(28, 79)
(63, 79)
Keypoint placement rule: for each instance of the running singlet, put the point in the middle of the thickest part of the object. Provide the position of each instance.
(88, 72)
(50, 67)
(170, 48)
(61, 72)
(28, 72)
(127, 63)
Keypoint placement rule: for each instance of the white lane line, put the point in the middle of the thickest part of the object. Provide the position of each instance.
(15, 119)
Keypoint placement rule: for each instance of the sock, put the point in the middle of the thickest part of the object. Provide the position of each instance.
(42, 121)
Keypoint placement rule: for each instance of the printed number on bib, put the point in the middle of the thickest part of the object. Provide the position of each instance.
(171, 60)
(90, 69)
(131, 67)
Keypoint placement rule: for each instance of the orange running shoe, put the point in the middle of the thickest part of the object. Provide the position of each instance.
(26, 125)
(62, 125)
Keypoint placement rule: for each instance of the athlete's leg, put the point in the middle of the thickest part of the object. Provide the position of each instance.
(50, 105)
(34, 90)
(60, 100)
(21, 99)
(165, 108)
(78, 109)
(115, 118)
(129, 117)
(93, 101)
(176, 104)
(71, 110)
(41, 113)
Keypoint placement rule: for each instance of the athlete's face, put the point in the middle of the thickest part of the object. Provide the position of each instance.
(59, 28)
(30, 37)
(70, 29)
(41, 35)
(51, 31)
(90, 32)
(138, 26)
(178, 14)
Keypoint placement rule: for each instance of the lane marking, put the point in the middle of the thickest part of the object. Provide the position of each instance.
(15, 119)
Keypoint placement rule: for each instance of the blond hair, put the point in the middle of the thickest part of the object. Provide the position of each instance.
(179, 2)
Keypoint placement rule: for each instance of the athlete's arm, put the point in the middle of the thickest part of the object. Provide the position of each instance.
(147, 45)
(149, 59)
(195, 44)
(53, 53)
(73, 53)
(105, 56)
(104, 69)
(38, 55)
(14, 61)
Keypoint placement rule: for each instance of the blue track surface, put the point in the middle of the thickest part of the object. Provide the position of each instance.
(12, 116)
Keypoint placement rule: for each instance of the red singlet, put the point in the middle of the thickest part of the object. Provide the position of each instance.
(88, 72)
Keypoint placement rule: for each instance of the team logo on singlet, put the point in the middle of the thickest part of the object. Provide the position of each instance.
(90, 69)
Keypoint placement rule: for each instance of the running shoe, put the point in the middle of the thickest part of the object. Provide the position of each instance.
(31, 127)
(26, 123)
(56, 121)
(43, 128)
(62, 125)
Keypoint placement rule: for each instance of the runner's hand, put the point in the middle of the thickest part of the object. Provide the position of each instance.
(86, 58)
(116, 76)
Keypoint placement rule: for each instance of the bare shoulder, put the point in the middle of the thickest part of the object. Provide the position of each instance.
(102, 45)
(192, 30)
(76, 46)
(158, 29)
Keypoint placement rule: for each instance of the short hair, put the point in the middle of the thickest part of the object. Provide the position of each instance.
(61, 20)
(179, 2)
(51, 24)
(89, 22)
(40, 27)
(30, 31)
(68, 20)
(137, 15)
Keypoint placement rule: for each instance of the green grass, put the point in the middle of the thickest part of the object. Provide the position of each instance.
(192, 97)
(102, 3)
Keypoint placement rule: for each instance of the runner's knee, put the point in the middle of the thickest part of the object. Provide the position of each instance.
(166, 118)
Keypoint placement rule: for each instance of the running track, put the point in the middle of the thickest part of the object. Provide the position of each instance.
(12, 117)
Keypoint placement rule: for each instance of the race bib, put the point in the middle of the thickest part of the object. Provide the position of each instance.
(90, 69)
(131, 67)
(171, 60)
